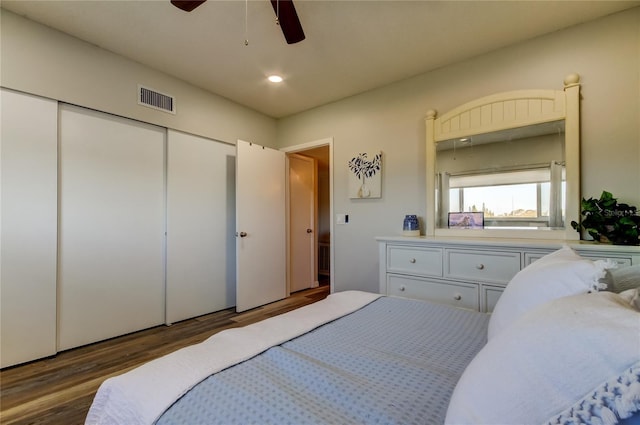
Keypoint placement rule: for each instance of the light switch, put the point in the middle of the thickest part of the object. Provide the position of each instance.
(342, 218)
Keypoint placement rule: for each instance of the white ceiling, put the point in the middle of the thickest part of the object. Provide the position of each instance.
(351, 46)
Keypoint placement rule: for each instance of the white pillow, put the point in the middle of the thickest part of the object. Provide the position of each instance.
(555, 275)
(622, 279)
(633, 296)
(554, 357)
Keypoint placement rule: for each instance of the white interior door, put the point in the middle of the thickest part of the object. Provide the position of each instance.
(200, 226)
(112, 224)
(302, 218)
(260, 225)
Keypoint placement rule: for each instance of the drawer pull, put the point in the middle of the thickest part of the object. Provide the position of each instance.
(480, 266)
(402, 288)
(457, 297)
(413, 260)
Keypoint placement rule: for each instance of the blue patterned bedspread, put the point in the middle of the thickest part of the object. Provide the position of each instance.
(395, 361)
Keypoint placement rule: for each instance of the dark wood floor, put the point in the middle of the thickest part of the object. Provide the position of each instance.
(60, 389)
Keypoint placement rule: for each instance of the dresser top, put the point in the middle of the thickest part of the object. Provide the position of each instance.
(508, 243)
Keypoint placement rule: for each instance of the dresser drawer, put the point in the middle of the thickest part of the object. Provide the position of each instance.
(530, 257)
(490, 295)
(415, 261)
(621, 262)
(483, 266)
(458, 294)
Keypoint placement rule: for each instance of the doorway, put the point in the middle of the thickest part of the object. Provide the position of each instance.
(321, 153)
(302, 212)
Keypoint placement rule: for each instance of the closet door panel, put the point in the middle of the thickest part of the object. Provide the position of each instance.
(28, 223)
(200, 226)
(111, 248)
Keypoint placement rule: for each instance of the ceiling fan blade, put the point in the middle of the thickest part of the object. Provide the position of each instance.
(187, 5)
(289, 21)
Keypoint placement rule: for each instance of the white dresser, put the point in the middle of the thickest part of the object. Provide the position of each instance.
(471, 273)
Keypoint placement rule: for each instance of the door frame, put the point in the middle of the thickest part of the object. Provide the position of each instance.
(297, 149)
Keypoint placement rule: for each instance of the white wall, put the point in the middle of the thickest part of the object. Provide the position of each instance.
(42, 61)
(606, 53)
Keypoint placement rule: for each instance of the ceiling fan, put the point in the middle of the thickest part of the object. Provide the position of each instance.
(285, 11)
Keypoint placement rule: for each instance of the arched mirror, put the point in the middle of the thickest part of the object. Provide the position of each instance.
(506, 165)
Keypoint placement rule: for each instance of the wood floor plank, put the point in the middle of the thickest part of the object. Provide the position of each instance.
(60, 389)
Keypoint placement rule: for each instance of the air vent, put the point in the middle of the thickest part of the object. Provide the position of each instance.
(156, 100)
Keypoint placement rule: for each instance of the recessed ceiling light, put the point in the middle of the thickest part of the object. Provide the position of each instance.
(275, 78)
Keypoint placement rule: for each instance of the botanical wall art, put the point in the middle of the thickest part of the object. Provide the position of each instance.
(365, 176)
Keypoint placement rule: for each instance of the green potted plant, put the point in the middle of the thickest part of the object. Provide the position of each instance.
(608, 221)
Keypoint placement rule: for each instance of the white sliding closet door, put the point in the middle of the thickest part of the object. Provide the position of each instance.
(112, 221)
(29, 165)
(200, 226)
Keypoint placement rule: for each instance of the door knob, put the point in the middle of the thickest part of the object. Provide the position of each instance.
(242, 234)
(309, 231)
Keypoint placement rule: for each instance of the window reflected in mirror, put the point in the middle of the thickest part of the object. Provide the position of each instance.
(515, 177)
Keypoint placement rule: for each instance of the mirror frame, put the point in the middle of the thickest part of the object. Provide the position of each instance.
(502, 111)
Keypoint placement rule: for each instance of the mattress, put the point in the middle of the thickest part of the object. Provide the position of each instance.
(394, 361)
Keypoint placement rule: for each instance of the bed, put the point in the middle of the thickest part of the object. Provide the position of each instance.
(558, 349)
